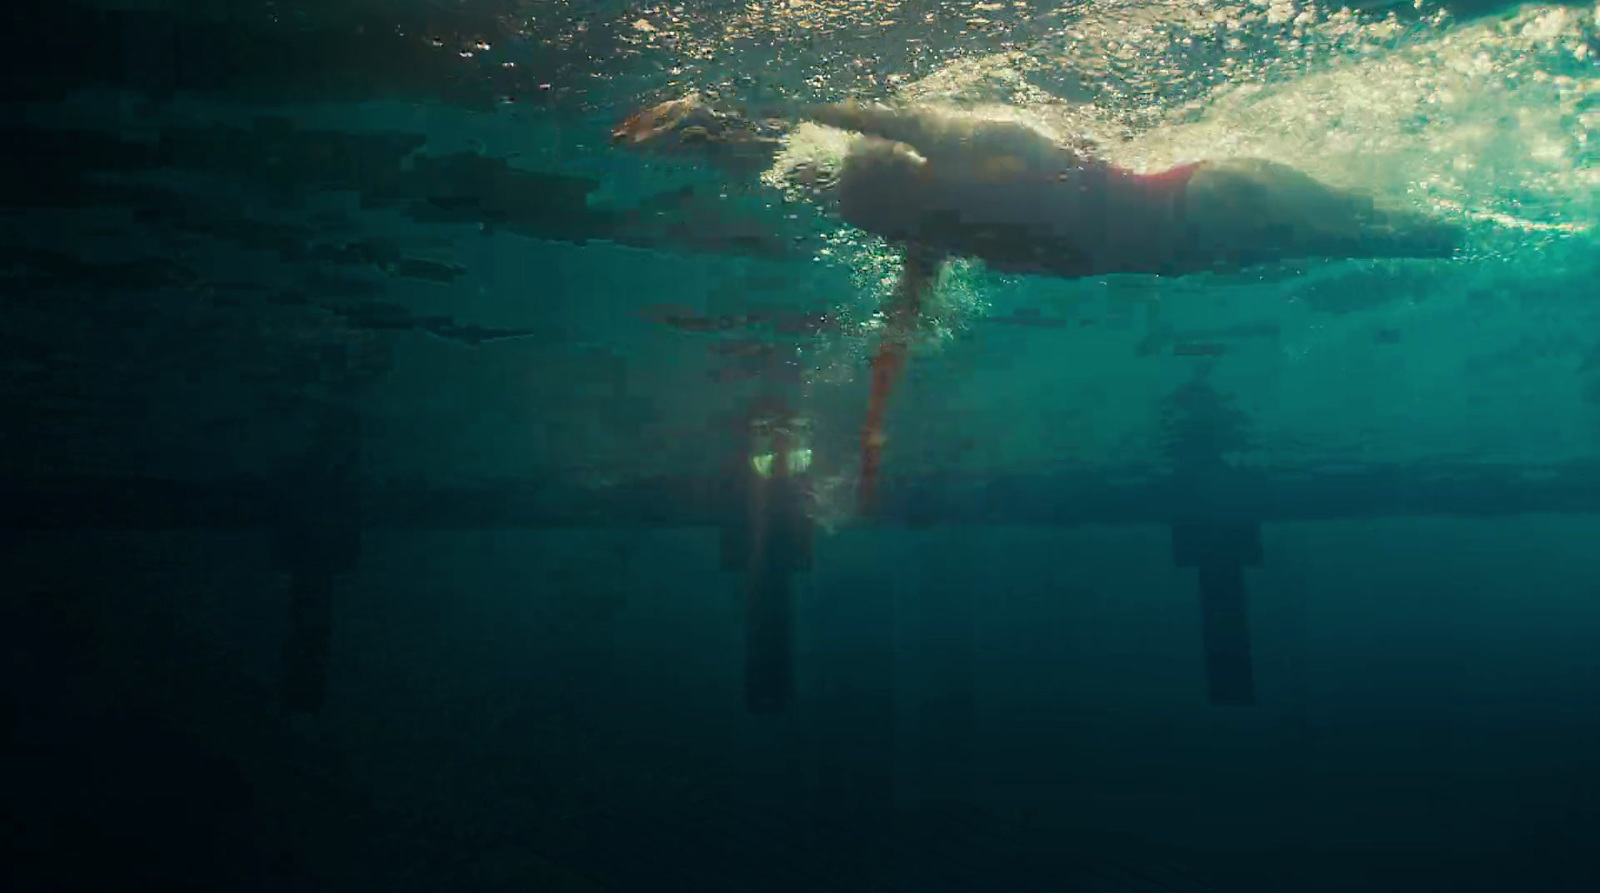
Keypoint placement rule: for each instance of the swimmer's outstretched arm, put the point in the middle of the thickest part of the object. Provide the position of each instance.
(913, 127)
(942, 135)
(738, 135)
(694, 120)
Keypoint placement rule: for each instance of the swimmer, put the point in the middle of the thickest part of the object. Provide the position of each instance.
(1008, 195)
(941, 185)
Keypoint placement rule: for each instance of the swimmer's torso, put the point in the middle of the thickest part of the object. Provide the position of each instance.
(1007, 195)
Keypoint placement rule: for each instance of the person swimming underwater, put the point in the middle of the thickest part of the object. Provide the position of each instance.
(949, 184)
(940, 185)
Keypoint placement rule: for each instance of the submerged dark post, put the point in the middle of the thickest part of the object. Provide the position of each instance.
(1221, 550)
(316, 539)
(770, 546)
(1200, 429)
(946, 617)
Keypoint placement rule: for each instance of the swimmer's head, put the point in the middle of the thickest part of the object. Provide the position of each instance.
(676, 120)
(691, 125)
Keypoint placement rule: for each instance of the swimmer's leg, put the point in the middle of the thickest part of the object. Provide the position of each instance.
(902, 313)
(1247, 210)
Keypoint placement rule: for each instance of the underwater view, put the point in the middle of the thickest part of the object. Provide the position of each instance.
(801, 446)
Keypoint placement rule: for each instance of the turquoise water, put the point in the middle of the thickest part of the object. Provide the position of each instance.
(1479, 359)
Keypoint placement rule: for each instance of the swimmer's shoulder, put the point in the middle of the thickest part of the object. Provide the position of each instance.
(996, 134)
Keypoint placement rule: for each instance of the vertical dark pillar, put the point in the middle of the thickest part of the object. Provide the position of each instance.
(856, 713)
(947, 714)
(1200, 429)
(1221, 550)
(769, 643)
(317, 539)
(308, 645)
(854, 629)
(771, 543)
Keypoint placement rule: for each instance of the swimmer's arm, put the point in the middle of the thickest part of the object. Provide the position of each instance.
(918, 129)
(941, 136)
